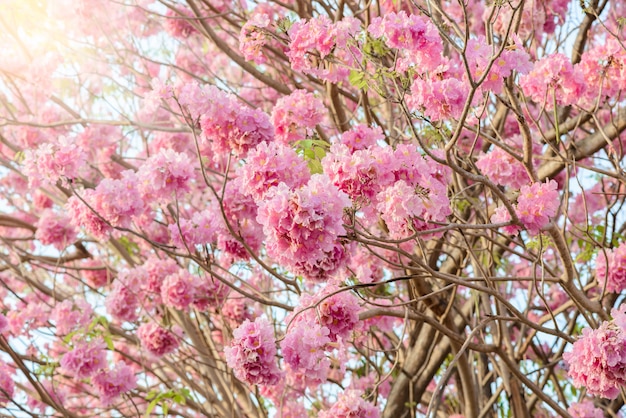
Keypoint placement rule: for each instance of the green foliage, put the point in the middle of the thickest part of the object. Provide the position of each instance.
(164, 399)
(313, 151)
(358, 79)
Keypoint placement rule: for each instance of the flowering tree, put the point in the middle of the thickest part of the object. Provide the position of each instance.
(330, 208)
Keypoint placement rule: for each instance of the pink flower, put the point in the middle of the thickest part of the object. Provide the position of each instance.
(165, 175)
(178, 290)
(611, 269)
(536, 204)
(110, 384)
(7, 386)
(253, 37)
(553, 78)
(585, 409)
(303, 225)
(303, 350)
(122, 303)
(339, 312)
(295, 116)
(52, 161)
(157, 340)
(4, 323)
(361, 137)
(55, 229)
(350, 404)
(598, 359)
(414, 36)
(270, 164)
(70, 316)
(502, 168)
(85, 359)
(252, 353)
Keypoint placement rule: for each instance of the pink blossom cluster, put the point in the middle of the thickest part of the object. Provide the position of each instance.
(414, 36)
(201, 229)
(417, 198)
(598, 358)
(85, 360)
(332, 308)
(611, 269)
(499, 166)
(156, 270)
(480, 54)
(438, 98)
(113, 202)
(70, 316)
(350, 404)
(227, 125)
(252, 353)
(361, 137)
(303, 350)
(302, 225)
(330, 263)
(253, 37)
(54, 160)
(165, 175)
(240, 212)
(182, 290)
(536, 204)
(313, 42)
(585, 409)
(553, 78)
(123, 302)
(110, 384)
(178, 23)
(55, 229)
(7, 386)
(295, 116)
(603, 67)
(156, 339)
(360, 173)
(270, 164)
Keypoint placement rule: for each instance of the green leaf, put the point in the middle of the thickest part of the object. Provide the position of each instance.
(109, 342)
(150, 407)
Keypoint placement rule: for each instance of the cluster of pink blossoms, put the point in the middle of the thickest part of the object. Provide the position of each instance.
(55, 229)
(85, 360)
(165, 174)
(52, 161)
(123, 302)
(351, 404)
(339, 312)
(303, 350)
(270, 164)
(295, 116)
(585, 409)
(313, 41)
(611, 269)
(598, 359)
(253, 37)
(227, 124)
(182, 290)
(156, 339)
(7, 386)
(252, 353)
(113, 201)
(70, 316)
(303, 225)
(110, 384)
(536, 204)
(414, 36)
(553, 78)
(499, 166)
